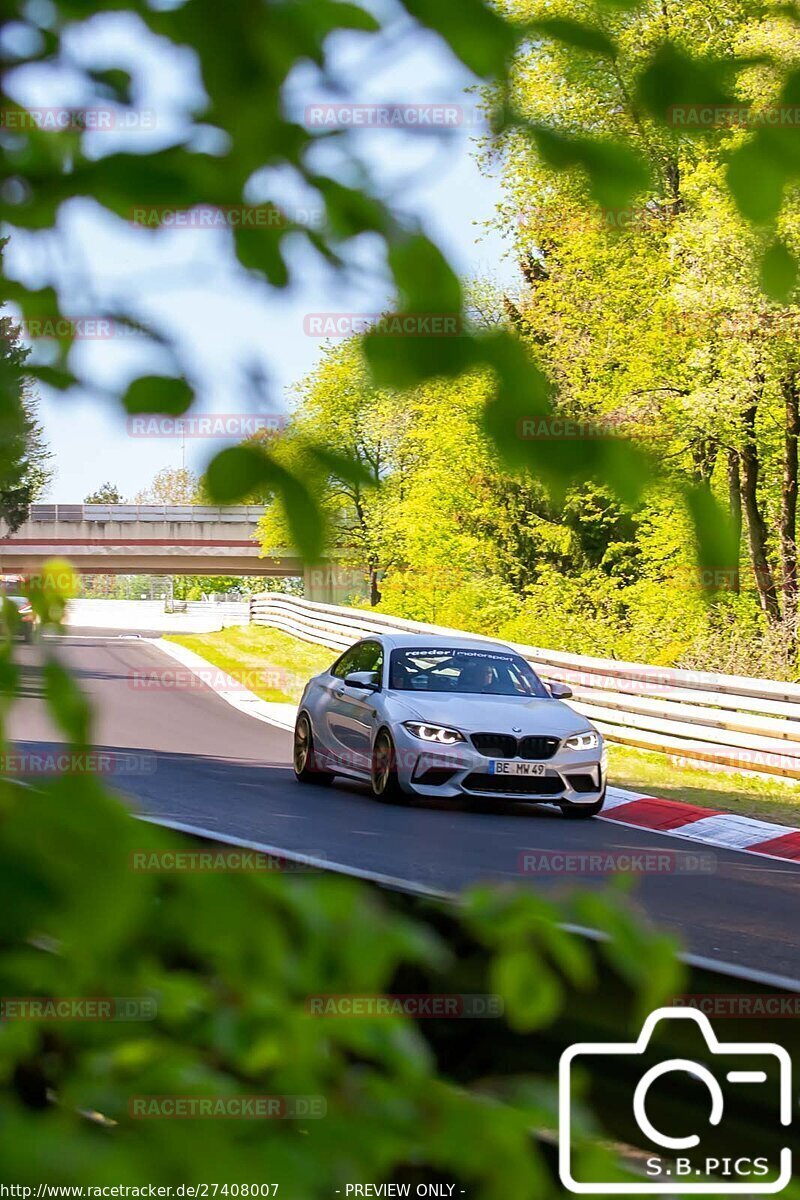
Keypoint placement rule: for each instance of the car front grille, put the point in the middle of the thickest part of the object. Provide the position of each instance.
(505, 745)
(514, 785)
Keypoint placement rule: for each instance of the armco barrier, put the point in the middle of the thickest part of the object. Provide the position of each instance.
(727, 721)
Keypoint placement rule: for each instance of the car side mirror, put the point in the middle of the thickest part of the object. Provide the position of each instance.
(366, 680)
(560, 691)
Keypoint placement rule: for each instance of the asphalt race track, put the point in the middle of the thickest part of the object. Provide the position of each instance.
(225, 772)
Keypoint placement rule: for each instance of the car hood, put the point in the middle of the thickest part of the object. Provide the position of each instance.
(491, 714)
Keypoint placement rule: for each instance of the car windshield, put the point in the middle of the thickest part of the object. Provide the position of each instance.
(464, 671)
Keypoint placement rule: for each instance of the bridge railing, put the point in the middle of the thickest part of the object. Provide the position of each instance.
(725, 721)
(76, 513)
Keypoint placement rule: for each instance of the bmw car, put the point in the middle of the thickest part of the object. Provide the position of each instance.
(430, 717)
(26, 627)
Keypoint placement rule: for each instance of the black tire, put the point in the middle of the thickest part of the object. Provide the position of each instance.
(383, 779)
(582, 812)
(303, 761)
(27, 632)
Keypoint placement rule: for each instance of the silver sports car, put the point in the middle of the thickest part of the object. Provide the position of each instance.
(412, 714)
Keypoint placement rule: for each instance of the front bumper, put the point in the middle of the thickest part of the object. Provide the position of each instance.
(570, 776)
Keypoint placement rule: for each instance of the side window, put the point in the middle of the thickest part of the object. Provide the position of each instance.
(370, 657)
(347, 663)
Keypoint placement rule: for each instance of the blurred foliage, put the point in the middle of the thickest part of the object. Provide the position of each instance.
(244, 76)
(229, 960)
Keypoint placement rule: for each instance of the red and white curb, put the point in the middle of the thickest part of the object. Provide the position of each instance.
(639, 811)
(712, 827)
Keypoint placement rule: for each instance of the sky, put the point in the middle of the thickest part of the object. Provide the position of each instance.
(232, 330)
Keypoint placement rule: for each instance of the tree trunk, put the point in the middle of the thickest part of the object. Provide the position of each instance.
(735, 505)
(789, 503)
(756, 525)
(374, 589)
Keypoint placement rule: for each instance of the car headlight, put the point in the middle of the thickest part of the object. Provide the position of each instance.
(434, 733)
(583, 741)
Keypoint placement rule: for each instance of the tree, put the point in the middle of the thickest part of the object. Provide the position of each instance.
(171, 485)
(107, 493)
(362, 429)
(24, 456)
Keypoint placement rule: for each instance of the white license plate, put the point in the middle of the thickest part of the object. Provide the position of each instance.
(503, 767)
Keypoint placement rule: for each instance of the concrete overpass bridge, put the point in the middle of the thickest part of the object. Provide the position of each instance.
(157, 539)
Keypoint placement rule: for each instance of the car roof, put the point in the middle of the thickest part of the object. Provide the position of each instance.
(411, 641)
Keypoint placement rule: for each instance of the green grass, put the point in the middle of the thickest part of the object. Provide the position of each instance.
(271, 664)
(641, 771)
(276, 666)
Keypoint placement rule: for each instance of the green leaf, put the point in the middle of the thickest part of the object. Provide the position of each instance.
(66, 702)
(114, 82)
(574, 33)
(674, 87)
(473, 29)
(236, 472)
(615, 174)
(342, 466)
(54, 377)
(757, 179)
(717, 538)
(260, 250)
(426, 283)
(303, 515)
(158, 394)
(523, 393)
(778, 273)
(350, 211)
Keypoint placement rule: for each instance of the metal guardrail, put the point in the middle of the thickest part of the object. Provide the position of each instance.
(75, 513)
(725, 721)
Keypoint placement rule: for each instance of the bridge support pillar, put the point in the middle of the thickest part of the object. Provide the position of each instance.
(326, 583)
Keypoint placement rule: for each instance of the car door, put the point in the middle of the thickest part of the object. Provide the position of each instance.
(351, 711)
